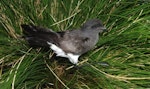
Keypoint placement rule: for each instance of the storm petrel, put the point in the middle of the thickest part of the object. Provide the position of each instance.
(70, 43)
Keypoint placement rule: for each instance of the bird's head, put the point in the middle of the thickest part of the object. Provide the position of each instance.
(94, 24)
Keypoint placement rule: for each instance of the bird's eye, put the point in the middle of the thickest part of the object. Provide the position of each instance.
(85, 39)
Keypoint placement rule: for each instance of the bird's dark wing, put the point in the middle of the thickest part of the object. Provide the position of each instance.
(39, 36)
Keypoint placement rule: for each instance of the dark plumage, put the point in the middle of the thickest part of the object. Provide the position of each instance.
(70, 42)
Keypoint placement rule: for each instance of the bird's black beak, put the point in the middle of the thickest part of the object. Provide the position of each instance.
(103, 29)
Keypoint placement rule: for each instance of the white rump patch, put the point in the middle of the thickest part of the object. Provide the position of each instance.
(72, 58)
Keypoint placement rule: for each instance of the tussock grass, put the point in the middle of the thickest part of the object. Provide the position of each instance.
(125, 46)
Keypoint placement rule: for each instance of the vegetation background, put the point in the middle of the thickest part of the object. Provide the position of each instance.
(125, 47)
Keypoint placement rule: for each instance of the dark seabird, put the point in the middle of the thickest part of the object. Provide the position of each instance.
(70, 43)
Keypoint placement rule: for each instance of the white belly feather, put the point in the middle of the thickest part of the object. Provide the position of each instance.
(72, 58)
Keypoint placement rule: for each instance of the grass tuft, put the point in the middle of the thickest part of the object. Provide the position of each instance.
(120, 60)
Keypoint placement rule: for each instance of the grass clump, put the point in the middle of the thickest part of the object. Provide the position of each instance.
(125, 47)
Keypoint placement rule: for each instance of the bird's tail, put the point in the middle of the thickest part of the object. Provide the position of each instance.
(38, 36)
